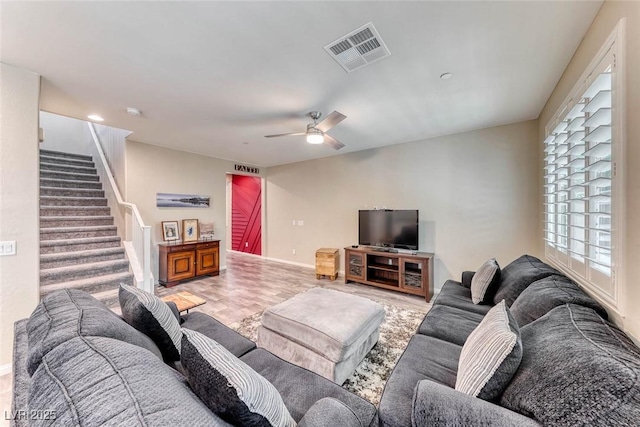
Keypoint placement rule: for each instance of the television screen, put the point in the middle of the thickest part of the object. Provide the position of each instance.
(389, 228)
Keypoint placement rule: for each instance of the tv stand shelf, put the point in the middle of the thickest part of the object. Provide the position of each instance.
(411, 273)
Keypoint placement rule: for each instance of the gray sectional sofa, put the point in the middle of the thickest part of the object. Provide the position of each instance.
(86, 366)
(78, 363)
(577, 369)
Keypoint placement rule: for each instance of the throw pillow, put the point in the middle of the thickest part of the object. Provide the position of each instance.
(151, 316)
(229, 387)
(485, 282)
(490, 356)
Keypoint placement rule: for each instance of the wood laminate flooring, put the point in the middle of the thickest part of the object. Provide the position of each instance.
(249, 285)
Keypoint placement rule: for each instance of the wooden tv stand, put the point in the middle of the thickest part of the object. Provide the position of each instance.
(403, 272)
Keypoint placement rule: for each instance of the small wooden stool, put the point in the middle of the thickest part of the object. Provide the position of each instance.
(327, 263)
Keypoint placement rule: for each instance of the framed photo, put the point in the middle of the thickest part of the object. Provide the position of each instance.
(189, 230)
(206, 230)
(170, 231)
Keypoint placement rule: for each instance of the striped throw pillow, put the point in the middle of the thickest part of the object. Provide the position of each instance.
(230, 387)
(151, 316)
(491, 355)
(485, 282)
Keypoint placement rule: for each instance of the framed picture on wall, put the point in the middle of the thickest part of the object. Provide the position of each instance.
(170, 231)
(189, 230)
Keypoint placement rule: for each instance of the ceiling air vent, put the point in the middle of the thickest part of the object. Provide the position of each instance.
(358, 48)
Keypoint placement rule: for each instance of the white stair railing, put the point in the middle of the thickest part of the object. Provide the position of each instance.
(138, 247)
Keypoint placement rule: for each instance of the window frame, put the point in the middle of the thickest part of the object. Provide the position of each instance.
(614, 46)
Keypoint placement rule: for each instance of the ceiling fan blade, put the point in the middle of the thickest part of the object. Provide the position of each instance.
(331, 141)
(331, 120)
(285, 134)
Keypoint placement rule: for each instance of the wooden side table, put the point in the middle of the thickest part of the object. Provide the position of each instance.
(184, 300)
(327, 263)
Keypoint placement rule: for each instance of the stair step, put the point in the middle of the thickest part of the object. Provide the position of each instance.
(64, 233)
(74, 210)
(72, 201)
(73, 245)
(67, 168)
(52, 153)
(94, 285)
(65, 183)
(83, 257)
(111, 298)
(70, 192)
(75, 221)
(69, 176)
(70, 273)
(66, 161)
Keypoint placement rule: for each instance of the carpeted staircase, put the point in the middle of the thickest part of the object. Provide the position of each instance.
(79, 245)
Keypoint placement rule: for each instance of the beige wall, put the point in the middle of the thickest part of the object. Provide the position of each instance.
(152, 169)
(476, 192)
(19, 176)
(601, 28)
(64, 134)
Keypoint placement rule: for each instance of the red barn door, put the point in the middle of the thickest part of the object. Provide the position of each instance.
(246, 217)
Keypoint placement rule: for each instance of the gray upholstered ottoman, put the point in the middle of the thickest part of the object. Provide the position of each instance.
(325, 331)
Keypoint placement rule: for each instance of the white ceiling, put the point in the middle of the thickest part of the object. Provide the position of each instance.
(214, 77)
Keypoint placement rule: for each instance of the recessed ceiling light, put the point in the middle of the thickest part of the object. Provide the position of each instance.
(95, 118)
(446, 76)
(133, 111)
(245, 143)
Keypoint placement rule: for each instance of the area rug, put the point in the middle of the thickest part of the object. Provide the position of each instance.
(369, 379)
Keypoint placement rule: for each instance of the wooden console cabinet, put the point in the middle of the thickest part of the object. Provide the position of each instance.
(402, 272)
(181, 261)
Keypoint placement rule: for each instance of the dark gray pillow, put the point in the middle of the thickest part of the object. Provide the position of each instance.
(485, 282)
(96, 381)
(230, 387)
(516, 276)
(577, 370)
(69, 313)
(490, 356)
(544, 295)
(151, 316)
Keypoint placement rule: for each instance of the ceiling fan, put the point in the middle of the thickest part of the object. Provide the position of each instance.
(316, 132)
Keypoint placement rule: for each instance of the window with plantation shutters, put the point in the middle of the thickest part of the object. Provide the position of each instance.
(580, 179)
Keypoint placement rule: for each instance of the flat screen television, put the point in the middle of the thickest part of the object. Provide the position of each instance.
(388, 228)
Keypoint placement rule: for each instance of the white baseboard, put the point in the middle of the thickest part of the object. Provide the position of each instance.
(632, 329)
(5, 369)
(297, 264)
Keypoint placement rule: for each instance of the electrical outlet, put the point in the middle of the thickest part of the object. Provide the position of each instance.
(246, 244)
(293, 222)
(300, 222)
(293, 251)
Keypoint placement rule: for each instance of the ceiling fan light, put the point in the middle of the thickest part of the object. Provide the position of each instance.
(315, 136)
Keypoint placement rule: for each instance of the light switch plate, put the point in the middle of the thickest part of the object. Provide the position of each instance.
(8, 247)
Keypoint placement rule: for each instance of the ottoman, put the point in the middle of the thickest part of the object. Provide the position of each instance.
(325, 331)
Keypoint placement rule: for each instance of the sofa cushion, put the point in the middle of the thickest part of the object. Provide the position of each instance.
(449, 324)
(425, 358)
(518, 275)
(151, 316)
(97, 381)
(301, 389)
(490, 356)
(577, 369)
(228, 386)
(485, 282)
(222, 334)
(453, 294)
(69, 313)
(545, 294)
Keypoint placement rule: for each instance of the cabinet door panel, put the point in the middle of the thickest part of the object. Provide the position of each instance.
(413, 274)
(354, 267)
(207, 261)
(181, 265)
